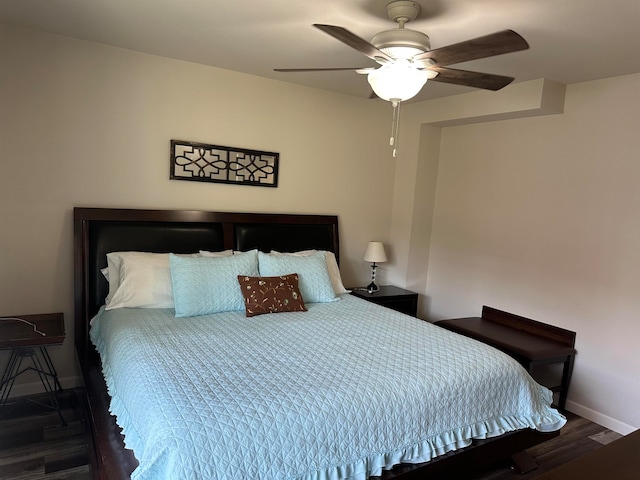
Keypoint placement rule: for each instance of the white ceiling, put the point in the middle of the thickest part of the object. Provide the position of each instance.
(571, 40)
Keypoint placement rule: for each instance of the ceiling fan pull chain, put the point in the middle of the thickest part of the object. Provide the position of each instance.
(395, 123)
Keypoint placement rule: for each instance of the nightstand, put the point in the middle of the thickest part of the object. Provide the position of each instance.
(396, 298)
(28, 336)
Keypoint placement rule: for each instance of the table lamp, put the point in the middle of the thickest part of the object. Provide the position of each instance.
(375, 254)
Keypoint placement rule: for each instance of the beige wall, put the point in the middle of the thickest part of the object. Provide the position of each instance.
(540, 217)
(83, 124)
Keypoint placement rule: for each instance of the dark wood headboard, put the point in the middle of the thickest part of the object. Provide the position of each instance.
(98, 231)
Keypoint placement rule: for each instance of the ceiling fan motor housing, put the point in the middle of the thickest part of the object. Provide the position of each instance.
(402, 43)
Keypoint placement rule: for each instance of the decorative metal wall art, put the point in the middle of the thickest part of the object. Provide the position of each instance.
(201, 162)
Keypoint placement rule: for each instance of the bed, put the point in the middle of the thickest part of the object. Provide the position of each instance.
(301, 381)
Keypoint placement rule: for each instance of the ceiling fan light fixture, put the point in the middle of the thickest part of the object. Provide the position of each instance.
(398, 81)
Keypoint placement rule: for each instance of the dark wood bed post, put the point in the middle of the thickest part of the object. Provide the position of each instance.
(81, 335)
(190, 231)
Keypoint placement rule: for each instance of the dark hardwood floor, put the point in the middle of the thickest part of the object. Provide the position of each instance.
(34, 445)
(575, 440)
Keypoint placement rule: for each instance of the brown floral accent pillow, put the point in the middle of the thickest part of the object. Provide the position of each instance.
(271, 294)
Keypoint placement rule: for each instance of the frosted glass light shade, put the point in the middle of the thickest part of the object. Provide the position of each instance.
(397, 81)
(375, 253)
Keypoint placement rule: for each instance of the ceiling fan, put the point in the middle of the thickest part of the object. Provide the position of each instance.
(407, 61)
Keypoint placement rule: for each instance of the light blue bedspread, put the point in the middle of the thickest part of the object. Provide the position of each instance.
(344, 390)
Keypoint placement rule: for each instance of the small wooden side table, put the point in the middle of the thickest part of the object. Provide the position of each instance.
(389, 296)
(28, 336)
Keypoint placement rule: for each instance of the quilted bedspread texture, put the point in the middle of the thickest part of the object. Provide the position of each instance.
(342, 391)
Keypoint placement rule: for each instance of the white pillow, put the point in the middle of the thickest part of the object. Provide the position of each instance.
(332, 267)
(141, 279)
(112, 273)
(105, 273)
(224, 253)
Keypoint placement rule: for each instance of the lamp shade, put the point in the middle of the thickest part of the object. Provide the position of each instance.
(375, 253)
(398, 81)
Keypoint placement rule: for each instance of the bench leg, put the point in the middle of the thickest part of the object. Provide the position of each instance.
(566, 378)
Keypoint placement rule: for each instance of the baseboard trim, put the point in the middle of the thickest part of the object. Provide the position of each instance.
(600, 418)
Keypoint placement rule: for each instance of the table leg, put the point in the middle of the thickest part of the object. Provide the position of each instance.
(51, 368)
(47, 374)
(9, 375)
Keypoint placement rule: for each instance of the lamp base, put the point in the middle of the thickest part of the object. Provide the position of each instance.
(372, 288)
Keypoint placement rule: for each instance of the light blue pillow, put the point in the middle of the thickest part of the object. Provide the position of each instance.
(204, 285)
(314, 280)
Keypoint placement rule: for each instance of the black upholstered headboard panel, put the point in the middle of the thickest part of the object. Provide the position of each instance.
(99, 231)
(283, 238)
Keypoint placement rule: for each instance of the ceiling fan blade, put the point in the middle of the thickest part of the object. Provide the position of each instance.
(506, 41)
(354, 41)
(488, 81)
(315, 69)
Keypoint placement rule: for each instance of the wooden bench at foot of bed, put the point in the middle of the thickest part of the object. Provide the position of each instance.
(530, 342)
